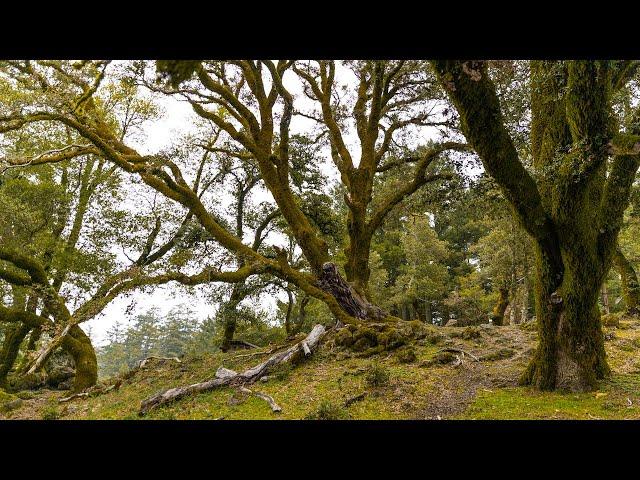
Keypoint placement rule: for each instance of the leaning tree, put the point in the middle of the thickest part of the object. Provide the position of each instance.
(571, 202)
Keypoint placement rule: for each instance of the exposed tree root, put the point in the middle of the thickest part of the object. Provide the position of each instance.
(267, 398)
(91, 392)
(226, 377)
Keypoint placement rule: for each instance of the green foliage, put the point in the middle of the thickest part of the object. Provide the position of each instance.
(328, 410)
(377, 375)
(51, 411)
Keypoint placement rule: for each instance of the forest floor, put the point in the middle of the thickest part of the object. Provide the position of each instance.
(389, 385)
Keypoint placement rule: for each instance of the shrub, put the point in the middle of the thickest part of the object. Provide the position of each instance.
(328, 411)
(377, 375)
(51, 412)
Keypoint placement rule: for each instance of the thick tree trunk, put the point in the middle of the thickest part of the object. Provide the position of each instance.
(78, 344)
(35, 335)
(571, 354)
(629, 279)
(357, 265)
(497, 315)
(524, 314)
(446, 315)
(347, 297)
(302, 315)
(287, 318)
(230, 315)
(14, 335)
(428, 312)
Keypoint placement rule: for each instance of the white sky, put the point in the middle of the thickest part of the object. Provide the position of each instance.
(176, 120)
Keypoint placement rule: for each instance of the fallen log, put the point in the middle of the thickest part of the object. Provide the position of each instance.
(91, 391)
(47, 349)
(226, 377)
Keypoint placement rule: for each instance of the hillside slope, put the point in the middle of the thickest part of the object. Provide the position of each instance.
(418, 381)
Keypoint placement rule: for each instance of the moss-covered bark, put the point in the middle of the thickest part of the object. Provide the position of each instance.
(629, 279)
(573, 210)
(13, 338)
(230, 315)
(497, 315)
(78, 344)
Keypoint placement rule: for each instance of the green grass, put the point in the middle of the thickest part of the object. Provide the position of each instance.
(319, 387)
(300, 391)
(521, 403)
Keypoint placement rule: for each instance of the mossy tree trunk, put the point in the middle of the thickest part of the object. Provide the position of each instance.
(13, 337)
(629, 279)
(230, 315)
(78, 344)
(15, 334)
(497, 315)
(573, 210)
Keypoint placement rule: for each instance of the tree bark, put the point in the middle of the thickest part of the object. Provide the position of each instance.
(605, 297)
(78, 344)
(573, 210)
(497, 315)
(229, 311)
(571, 354)
(428, 312)
(629, 279)
(446, 314)
(14, 335)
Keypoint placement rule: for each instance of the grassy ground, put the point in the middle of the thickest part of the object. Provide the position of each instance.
(395, 385)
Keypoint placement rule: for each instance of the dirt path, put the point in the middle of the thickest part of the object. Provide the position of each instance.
(459, 388)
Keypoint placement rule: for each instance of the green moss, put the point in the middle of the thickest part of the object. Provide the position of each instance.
(526, 403)
(51, 412)
(406, 355)
(610, 320)
(440, 358)
(344, 338)
(377, 375)
(8, 401)
(500, 354)
(396, 391)
(471, 333)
